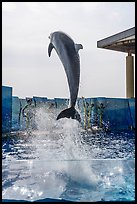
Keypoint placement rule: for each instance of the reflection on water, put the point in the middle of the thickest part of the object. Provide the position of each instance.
(61, 160)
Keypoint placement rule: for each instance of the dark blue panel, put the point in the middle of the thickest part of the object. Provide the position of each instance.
(6, 108)
(132, 110)
(39, 99)
(15, 113)
(62, 102)
(116, 114)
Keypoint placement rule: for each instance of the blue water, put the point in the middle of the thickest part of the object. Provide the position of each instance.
(64, 162)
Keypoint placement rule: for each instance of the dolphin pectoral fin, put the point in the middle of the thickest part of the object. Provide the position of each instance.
(69, 113)
(78, 47)
(50, 47)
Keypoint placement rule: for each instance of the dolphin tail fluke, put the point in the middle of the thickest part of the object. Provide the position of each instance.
(70, 113)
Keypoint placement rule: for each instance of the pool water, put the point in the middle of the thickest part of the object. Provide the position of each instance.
(62, 161)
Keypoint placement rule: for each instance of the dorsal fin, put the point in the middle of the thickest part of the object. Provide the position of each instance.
(50, 47)
(78, 46)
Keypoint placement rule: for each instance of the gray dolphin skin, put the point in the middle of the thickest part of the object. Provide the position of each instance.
(67, 51)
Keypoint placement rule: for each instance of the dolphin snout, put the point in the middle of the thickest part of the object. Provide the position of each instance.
(50, 36)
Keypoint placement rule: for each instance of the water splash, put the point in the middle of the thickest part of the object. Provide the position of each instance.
(64, 132)
(56, 161)
(67, 144)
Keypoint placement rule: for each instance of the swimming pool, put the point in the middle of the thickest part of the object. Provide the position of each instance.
(65, 162)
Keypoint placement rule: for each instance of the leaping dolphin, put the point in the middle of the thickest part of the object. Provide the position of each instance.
(67, 51)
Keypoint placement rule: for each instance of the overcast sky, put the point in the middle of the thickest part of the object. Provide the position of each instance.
(25, 63)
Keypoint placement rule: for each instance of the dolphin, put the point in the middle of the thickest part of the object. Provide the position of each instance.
(67, 51)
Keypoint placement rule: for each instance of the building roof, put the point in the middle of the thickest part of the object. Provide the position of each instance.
(123, 41)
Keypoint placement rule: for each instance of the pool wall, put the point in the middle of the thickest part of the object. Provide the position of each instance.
(110, 113)
(107, 113)
(6, 109)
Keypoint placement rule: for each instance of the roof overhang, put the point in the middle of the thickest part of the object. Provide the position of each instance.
(123, 41)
